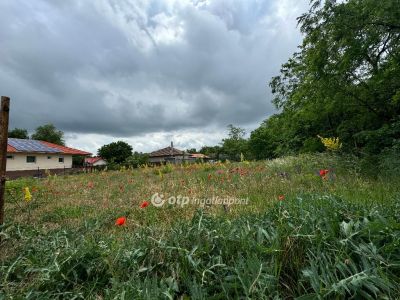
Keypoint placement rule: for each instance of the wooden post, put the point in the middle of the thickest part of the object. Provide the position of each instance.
(4, 114)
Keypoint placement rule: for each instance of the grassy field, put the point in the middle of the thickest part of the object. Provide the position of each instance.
(301, 235)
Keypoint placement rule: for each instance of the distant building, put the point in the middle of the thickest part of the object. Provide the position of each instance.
(24, 155)
(168, 154)
(199, 156)
(173, 155)
(95, 161)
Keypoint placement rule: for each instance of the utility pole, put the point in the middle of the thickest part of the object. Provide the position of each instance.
(4, 115)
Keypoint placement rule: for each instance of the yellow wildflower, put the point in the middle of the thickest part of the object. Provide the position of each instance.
(27, 196)
(332, 144)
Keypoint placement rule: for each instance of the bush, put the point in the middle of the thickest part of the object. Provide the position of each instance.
(390, 160)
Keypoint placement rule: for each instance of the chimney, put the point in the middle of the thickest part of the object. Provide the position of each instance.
(172, 148)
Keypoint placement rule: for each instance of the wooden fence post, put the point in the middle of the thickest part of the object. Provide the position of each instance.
(4, 114)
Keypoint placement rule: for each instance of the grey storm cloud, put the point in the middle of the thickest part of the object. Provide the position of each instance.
(124, 68)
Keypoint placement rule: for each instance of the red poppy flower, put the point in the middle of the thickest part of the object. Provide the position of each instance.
(323, 173)
(281, 197)
(120, 221)
(144, 204)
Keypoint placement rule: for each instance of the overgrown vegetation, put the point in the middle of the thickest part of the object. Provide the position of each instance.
(343, 82)
(300, 235)
(316, 226)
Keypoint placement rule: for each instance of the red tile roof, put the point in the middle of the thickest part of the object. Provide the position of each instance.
(166, 152)
(198, 155)
(92, 160)
(11, 149)
(66, 150)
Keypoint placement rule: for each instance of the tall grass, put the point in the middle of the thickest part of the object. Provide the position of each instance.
(337, 238)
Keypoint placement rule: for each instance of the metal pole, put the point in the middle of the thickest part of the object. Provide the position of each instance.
(4, 115)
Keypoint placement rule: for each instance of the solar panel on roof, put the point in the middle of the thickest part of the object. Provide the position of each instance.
(30, 146)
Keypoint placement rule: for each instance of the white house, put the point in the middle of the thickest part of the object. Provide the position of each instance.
(24, 155)
(95, 161)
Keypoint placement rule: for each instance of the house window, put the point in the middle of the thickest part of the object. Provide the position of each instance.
(10, 156)
(48, 157)
(61, 159)
(31, 159)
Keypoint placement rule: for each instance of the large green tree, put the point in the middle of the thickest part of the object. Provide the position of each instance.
(137, 159)
(18, 133)
(191, 150)
(235, 144)
(264, 141)
(116, 152)
(213, 152)
(49, 133)
(345, 79)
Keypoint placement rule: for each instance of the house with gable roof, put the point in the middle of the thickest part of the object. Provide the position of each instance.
(96, 161)
(173, 155)
(25, 155)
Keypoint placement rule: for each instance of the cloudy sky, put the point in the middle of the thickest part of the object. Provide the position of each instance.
(146, 72)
